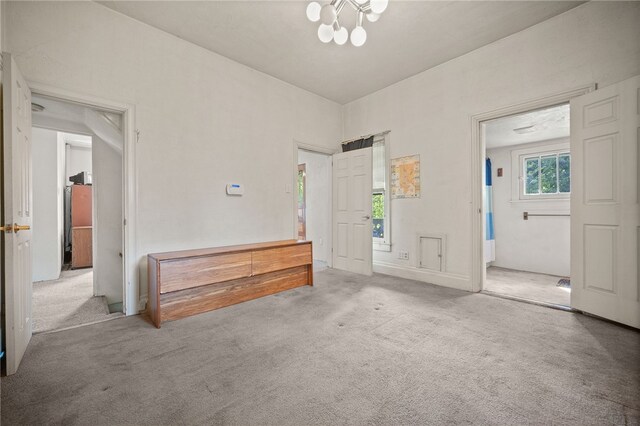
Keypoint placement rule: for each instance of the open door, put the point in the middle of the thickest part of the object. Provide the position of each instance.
(17, 198)
(605, 218)
(352, 198)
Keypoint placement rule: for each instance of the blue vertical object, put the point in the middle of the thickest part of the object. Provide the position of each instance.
(489, 239)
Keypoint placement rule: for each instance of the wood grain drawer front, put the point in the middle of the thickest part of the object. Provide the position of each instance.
(277, 259)
(207, 298)
(194, 272)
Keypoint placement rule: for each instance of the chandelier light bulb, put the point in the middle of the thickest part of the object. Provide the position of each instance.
(358, 36)
(372, 17)
(341, 36)
(325, 33)
(379, 6)
(313, 11)
(328, 14)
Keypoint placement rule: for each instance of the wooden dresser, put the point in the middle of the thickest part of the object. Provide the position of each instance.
(184, 283)
(81, 226)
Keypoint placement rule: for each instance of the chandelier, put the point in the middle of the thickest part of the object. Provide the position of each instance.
(329, 14)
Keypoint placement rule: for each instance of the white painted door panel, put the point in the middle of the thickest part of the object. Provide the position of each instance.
(352, 197)
(605, 217)
(431, 253)
(16, 106)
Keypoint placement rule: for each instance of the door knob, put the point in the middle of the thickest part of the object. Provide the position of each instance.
(17, 228)
(366, 217)
(8, 228)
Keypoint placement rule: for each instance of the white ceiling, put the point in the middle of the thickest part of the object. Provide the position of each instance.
(275, 37)
(534, 126)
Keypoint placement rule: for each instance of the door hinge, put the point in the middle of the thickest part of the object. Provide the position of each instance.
(124, 222)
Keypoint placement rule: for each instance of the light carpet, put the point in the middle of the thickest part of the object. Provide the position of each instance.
(527, 285)
(67, 302)
(350, 350)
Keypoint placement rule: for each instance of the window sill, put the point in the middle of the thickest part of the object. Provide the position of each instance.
(381, 246)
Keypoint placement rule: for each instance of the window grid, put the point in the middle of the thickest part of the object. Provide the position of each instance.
(537, 174)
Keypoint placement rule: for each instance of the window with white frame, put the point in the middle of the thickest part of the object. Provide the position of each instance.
(546, 175)
(381, 201)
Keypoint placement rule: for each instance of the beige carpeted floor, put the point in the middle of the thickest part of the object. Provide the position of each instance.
(67, 301)
(527, 285)
(351, 350)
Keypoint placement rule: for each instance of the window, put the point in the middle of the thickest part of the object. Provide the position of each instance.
(547, 175)
(381, 209)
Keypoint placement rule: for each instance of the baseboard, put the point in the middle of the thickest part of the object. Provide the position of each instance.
(142, 304)
(444, 279)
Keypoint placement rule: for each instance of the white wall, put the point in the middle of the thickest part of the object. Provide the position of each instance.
(78, 159)
(540, 244)
(318, 186)
(107, 194)
(204, 121)
(47, 246)
(429, 114)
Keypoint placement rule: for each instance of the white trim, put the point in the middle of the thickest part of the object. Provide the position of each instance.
(443, 250)
(377, 246)
(478, 148)
(297, 145)
(131, 287)
(445, 279)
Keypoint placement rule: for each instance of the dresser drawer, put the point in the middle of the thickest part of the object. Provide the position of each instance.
(277, 259)
(197, 271)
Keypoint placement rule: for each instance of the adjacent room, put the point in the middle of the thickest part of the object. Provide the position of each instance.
(319, 212)
(314, 204)
(77, 241)
(527, 204)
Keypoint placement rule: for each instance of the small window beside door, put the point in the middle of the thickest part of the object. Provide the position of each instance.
(380, 203)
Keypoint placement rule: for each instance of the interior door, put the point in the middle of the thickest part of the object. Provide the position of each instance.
(352, 198)
(16, 106)
(605, 218)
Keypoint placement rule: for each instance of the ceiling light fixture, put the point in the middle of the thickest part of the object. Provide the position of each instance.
(329, 14)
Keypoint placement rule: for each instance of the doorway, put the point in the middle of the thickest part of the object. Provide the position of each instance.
(314, 204)
(77, 214)
(302, 205)
(17, 265)
(526, 200)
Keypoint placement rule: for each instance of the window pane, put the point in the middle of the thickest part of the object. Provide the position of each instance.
(531, 178)
(378, 215)
(564, 172)
(548, 174)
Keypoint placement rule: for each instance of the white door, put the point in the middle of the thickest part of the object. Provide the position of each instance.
(16, 106)
(605, 219)
(352, 198)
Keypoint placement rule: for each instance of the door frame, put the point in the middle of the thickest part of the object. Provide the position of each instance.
(478, 151)
(131, 303)
(302, 168)
(294, 194)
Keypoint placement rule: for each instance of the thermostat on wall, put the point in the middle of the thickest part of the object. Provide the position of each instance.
(235, 189)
